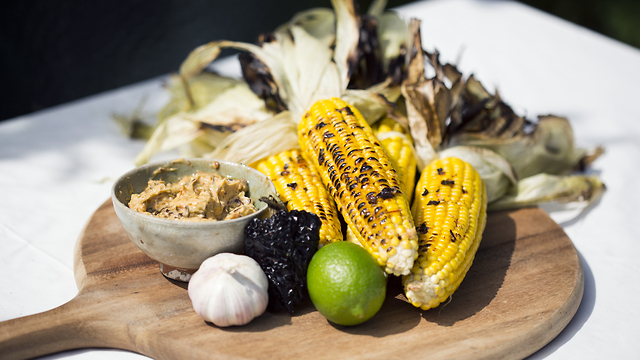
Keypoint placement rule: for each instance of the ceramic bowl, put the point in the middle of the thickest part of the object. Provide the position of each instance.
(180, 247)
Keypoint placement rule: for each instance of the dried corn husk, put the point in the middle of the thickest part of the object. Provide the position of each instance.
(269, 53)
(347, 38)
(497, 173)
(505, 191)
(375, 62)
(465, 113)
(300, 67)
(232, 109)
(252, 142)
(376, 9)
(291, 69)
(287, 67)
(205, 87)
(132, 125)
(309, 58)
(375, 102)
(543, 188)
(319, 23)
(456, 117)
(168, 135)
(261, 81)
(394, 38)
(548, 149)
(545, 146)
(419, 96)
(368, 69)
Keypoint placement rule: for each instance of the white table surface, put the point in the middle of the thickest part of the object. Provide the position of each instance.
(57, 165)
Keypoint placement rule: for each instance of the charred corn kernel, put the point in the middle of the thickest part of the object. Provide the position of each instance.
(397, 143)
(358, 174)
(450, 212)
(300, 188)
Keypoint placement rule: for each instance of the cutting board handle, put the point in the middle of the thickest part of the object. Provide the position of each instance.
(73, 325)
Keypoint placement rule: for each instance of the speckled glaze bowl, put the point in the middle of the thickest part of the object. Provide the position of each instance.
(180, 247)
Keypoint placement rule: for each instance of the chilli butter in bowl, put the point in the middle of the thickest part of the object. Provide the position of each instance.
(184, 211)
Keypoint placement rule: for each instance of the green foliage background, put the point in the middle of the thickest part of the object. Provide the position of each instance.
(618, 19)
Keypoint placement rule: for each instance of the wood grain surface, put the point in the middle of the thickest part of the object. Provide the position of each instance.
(523, 288)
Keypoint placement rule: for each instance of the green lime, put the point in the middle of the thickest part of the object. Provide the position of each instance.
(345, 283)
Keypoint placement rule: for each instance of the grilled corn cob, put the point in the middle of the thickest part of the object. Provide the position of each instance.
(358, 174)
(398, 145)
(450, 214)
(300, 188)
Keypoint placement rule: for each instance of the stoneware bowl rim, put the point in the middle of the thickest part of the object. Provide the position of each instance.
(177, 223)
(125, 180)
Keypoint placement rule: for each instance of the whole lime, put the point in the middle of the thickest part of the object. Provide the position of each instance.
(345, 283)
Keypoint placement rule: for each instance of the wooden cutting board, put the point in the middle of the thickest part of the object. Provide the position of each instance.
(523, 288)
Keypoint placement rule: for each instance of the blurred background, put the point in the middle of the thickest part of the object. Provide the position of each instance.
(56, 51)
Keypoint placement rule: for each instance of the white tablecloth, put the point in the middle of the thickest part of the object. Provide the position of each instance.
(57, 165)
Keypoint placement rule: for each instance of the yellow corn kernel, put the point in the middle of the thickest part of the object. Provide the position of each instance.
(359, 175)
(300, 188)
(450, 211)
(397, 143)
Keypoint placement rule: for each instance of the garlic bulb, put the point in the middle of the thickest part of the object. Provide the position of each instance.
(229, 289)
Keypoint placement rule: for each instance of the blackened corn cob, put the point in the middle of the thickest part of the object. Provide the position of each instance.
(450, 211)
(300, 188)
(358, 174)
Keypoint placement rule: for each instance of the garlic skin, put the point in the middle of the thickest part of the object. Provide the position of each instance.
(229, 289)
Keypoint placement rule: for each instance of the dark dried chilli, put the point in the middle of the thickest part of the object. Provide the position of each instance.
(283, 245)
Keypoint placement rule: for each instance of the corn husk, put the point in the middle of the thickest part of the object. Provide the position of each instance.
(497, 173)
(394, 39)
(465, 113)
(301, 66)
(311, 57)
(319, 23)
(376, 102)
(242, 146)
(449, 115)
(298, 64)
(292, 68)
(133, 125)
(347, 37)
(168, 135)
(232, 109)
(376, 62)
(204, 127)
(419, 110)
(205, 87)
(376, 9)
(532, 147)
(261, 81)
(505, 191)
(544, 188)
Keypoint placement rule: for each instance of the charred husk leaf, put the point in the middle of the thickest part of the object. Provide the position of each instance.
(368, 70)
(261, 82)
